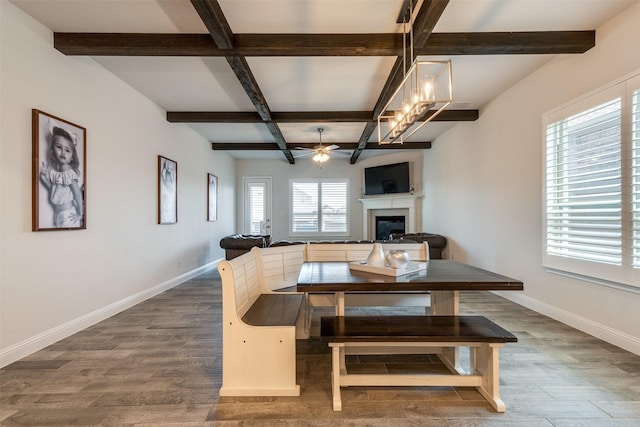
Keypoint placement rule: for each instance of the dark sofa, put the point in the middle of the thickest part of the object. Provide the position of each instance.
(436, 242)
(238, 244)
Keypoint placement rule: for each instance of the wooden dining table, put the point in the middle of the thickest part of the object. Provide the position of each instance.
(444, 279)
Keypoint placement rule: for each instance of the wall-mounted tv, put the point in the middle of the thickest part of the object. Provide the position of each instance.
(387, 179)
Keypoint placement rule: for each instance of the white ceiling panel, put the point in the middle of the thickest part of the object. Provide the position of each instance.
(312, 16)
(333, 133)
(115, 16)
(479, 79)
(528, 15)
(234, 132)
(182, 83)
(321, 83)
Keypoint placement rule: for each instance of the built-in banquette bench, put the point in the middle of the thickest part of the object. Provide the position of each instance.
(412, 334)
(260, 325)
(258, 332)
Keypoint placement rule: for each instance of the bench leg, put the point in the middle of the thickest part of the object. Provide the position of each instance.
(485, 361)
(337, 365)
(447, 303)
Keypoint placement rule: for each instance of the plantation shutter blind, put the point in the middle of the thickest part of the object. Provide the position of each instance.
(319, 207)
(256, 212)
(584, 185)
(635, 173)
(334, 207)
(304, 207)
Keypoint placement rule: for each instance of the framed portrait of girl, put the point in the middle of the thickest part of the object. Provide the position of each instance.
(59, 175)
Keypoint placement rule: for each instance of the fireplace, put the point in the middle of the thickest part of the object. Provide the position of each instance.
(406, 206)
(386, 225)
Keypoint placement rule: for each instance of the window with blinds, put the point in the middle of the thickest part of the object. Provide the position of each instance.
(592, 186)
(319, 207)
(256, 208)
(584, 199)
(635, 161)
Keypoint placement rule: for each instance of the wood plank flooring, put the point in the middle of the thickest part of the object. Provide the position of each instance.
(159, 364)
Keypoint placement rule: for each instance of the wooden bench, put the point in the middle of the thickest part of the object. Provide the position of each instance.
(414, 335)
(258, 332)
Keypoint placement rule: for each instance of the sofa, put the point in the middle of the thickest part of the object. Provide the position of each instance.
(436, 242)
(238, 244)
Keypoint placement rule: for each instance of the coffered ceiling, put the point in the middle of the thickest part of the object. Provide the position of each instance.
(257, 78)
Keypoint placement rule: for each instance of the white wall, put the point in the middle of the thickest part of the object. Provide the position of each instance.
(57, 282)
(483, 186)
(337, 167)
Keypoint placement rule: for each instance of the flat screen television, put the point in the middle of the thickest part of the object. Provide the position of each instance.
(387, 179)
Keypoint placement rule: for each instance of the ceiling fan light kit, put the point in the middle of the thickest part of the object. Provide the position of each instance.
(320, 152)
(320, 157)
(425, 91)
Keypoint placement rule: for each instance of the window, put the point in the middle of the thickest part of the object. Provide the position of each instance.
(592, 183)
(256, 208)
(257, 205)
(319, 207)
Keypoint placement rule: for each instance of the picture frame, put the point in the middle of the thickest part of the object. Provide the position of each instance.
(59, 173)
(212, 197)
(167, 191)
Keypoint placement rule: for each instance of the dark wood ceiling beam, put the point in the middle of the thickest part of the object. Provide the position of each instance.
(213, 18)
(503, 43)
(248, 82)
(242, 71)
(261, 146)
(363, 142)
(321, 116)
(215, 21)
(213, 117)
(301, 116)
(426, 20)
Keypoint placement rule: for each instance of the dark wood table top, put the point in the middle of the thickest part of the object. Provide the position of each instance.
(440, 275)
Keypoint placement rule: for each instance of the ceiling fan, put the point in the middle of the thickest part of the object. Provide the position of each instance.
(320, 152)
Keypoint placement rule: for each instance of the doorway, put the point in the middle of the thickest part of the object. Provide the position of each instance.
(257, 205)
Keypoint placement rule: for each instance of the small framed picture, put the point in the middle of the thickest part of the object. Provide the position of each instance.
(212, 197)
(167, 191)
(59, 173)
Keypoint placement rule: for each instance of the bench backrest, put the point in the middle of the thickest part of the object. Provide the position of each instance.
(360, 251)
(241, 284)
(280, 265)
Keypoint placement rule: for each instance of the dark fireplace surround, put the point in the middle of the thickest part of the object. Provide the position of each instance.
(386, 225)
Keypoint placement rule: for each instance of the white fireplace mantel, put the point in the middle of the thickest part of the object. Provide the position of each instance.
(408, 203)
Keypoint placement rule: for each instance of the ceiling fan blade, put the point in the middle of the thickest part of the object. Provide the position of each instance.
(306, 153)
(305, 148)
(332, 147)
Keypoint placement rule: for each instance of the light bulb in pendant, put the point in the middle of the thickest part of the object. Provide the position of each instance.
(427, 84)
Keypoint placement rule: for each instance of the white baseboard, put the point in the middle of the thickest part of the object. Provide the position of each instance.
(603, 332)
(30, 345)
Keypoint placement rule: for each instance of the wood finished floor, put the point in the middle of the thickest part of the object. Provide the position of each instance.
(159, 364)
